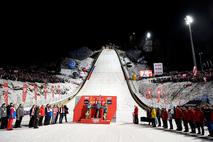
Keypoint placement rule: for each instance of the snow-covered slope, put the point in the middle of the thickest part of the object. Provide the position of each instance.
(108, 79)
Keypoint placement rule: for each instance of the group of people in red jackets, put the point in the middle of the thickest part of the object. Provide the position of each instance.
(186, 118)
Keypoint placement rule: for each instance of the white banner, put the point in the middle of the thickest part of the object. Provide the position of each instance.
(158, 68)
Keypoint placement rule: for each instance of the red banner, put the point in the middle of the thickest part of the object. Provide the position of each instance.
(158, 95)
(24, 92)
(6, 92)
(45, 91)
(52, 90)
(35, 90)
(148, 94)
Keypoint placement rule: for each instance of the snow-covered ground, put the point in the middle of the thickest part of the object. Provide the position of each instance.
(67, 89)
(107, 79)
(172, 94)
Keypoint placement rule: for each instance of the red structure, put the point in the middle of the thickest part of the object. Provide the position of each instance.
(108, 103)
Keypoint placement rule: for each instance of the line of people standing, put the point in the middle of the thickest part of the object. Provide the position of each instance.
(8, 114)
(187, 118)
(48, 114)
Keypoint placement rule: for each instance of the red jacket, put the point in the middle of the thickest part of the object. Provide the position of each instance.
(199, 116)
(191, 114)
(178, 113)
(164, 115)
(42, 111)
(135, 111)
(186, 115)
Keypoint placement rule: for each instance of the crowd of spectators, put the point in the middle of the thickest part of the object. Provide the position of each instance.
(29, 75)
(204, 76)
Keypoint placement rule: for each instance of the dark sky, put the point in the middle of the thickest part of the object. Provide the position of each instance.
(37, 35)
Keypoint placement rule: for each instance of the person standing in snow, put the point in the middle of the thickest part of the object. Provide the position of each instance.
(32, 116)
(153, 116)
(55, 113)
(20, 115)
(12, 116)
(3, 111)
(66, 112)
(170, 117)
(135, 115)
(41, 115)
(36, 117)
(164, 116)
(62, 113)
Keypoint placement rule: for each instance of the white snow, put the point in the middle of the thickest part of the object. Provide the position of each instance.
(67, 89)
(107, 79)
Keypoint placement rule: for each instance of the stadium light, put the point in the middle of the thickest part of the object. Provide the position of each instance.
(148, 35)
(188, 19)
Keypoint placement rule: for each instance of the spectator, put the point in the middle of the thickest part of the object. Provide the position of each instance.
(66, 112)
(12, 116)
(32, 116)
(3, 111)
(178, 118)
(62, 113)
(20, 115)
(185, 119)
(36, 117)
(158, 113)
(41, 115)
(153, 117)
(165, 118)
(135, 115)
(170, 117)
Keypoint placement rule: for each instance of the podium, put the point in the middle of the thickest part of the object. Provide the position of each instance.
(106, 105)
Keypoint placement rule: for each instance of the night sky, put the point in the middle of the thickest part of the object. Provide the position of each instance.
(40, 35)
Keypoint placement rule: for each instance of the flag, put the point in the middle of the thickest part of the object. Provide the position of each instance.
(6, 92)
(24, 92)
(148, 94)
(158, 95)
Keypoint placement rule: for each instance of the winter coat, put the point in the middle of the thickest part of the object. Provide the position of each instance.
(55, 111)
(135, 111)
(153, 113)
(3, 111)
(178, 113)
(19, 112)
(12, 110)
(186, 115)
(191, 114)
(199, 116)
(42, 111)
(164, 115)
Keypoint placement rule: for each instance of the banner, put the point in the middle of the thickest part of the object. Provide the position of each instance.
(52, 90)
(158, 68)
(24, 93)
(148, 94)
(145, 73)
(35, 91)
(6, 92)
(158, 95)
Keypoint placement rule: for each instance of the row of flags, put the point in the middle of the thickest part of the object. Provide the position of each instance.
(35, 88)
(148, 94)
